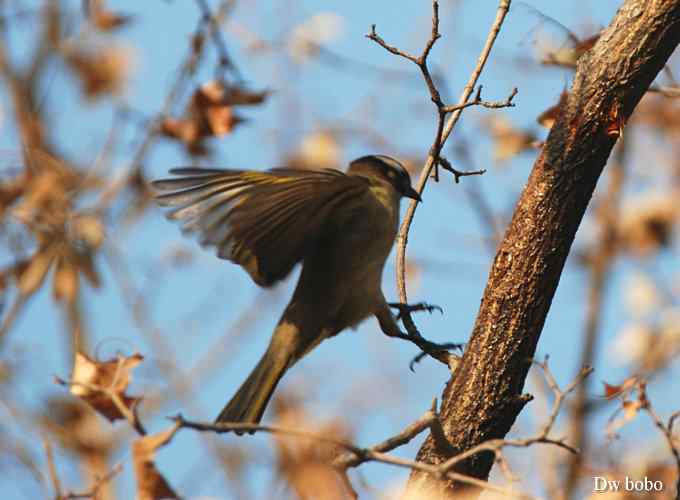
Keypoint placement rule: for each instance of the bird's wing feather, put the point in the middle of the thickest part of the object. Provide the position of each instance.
(264, 221)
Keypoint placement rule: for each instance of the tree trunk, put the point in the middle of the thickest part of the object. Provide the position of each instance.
(484, 397)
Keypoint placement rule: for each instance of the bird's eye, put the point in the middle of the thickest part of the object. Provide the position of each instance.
(391, 174)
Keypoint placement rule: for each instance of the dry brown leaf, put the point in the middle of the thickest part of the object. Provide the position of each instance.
(151, 485)
(105, 20)
(414, 275)
(102, 71)
(140, 196)
(85, 264)
(221, 120)
(66, 283)
(212, 108)
(320, 149)
(87, 229)
(99, 382)
(641, 294)
(308, 37)
(10, 191)
(306, 464)
(660, 113)
(215, 93)
(548, 117)
(211, 113)
(78, 428)
(45, 202)
(612, 391)
(567, 56)
(509, 140)
(64, 238)
(616, 121)
(647, 222)
(33, 276)
(184, 130)
(632, 343)
(631, 409)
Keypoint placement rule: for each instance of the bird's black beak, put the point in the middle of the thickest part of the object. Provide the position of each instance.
(413, 194)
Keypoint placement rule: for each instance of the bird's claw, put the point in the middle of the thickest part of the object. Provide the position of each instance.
(403, 309)
(440, 352)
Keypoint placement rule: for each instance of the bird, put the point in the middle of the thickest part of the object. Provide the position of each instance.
(340, 226)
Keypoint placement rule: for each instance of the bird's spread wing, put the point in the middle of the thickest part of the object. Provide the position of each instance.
(264, 221)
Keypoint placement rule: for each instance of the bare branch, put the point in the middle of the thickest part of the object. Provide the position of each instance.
(666, 430)
(51, 467)
(457, 174)
(353, 459)
(390, 48)
(216, 34)
(531, 258)
(94, 490)
(444, 128)
(443, 132)
(477, 101)
(356, 455)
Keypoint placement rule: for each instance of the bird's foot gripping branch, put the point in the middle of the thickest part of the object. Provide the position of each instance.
(440, 352)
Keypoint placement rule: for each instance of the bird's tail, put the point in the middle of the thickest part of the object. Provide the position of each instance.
(250, 401)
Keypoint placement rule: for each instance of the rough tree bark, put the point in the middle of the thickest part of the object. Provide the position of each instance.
(484, 397)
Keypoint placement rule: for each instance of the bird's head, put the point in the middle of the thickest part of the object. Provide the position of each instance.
(386, 170)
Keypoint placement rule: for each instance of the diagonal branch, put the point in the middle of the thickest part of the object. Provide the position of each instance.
(484, 398)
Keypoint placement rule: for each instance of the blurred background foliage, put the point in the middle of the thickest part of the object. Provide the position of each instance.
(97, 98)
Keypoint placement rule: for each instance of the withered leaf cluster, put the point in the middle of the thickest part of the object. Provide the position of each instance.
(102, 384)
(211, 113)
(43, 199)
(151, 484)
(101, 70)
(509, 140)
(306, 465)
(102, 18)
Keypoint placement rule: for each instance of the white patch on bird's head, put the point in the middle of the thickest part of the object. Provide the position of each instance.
(386, 170)
(393, 164)
(379, 166)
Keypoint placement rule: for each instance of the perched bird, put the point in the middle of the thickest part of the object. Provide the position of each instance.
(341, 227)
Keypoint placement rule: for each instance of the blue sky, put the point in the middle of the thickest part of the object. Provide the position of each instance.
(446, 241)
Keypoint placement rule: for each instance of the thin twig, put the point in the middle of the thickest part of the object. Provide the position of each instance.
(362, 454)
(225, 62)
(187, 68)
(443, 129)
(457, 174)
(666, 430)
(11, 315)
(478, 101)
(353, 459)
(93, 491)
(51, 467)
(356, 455)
